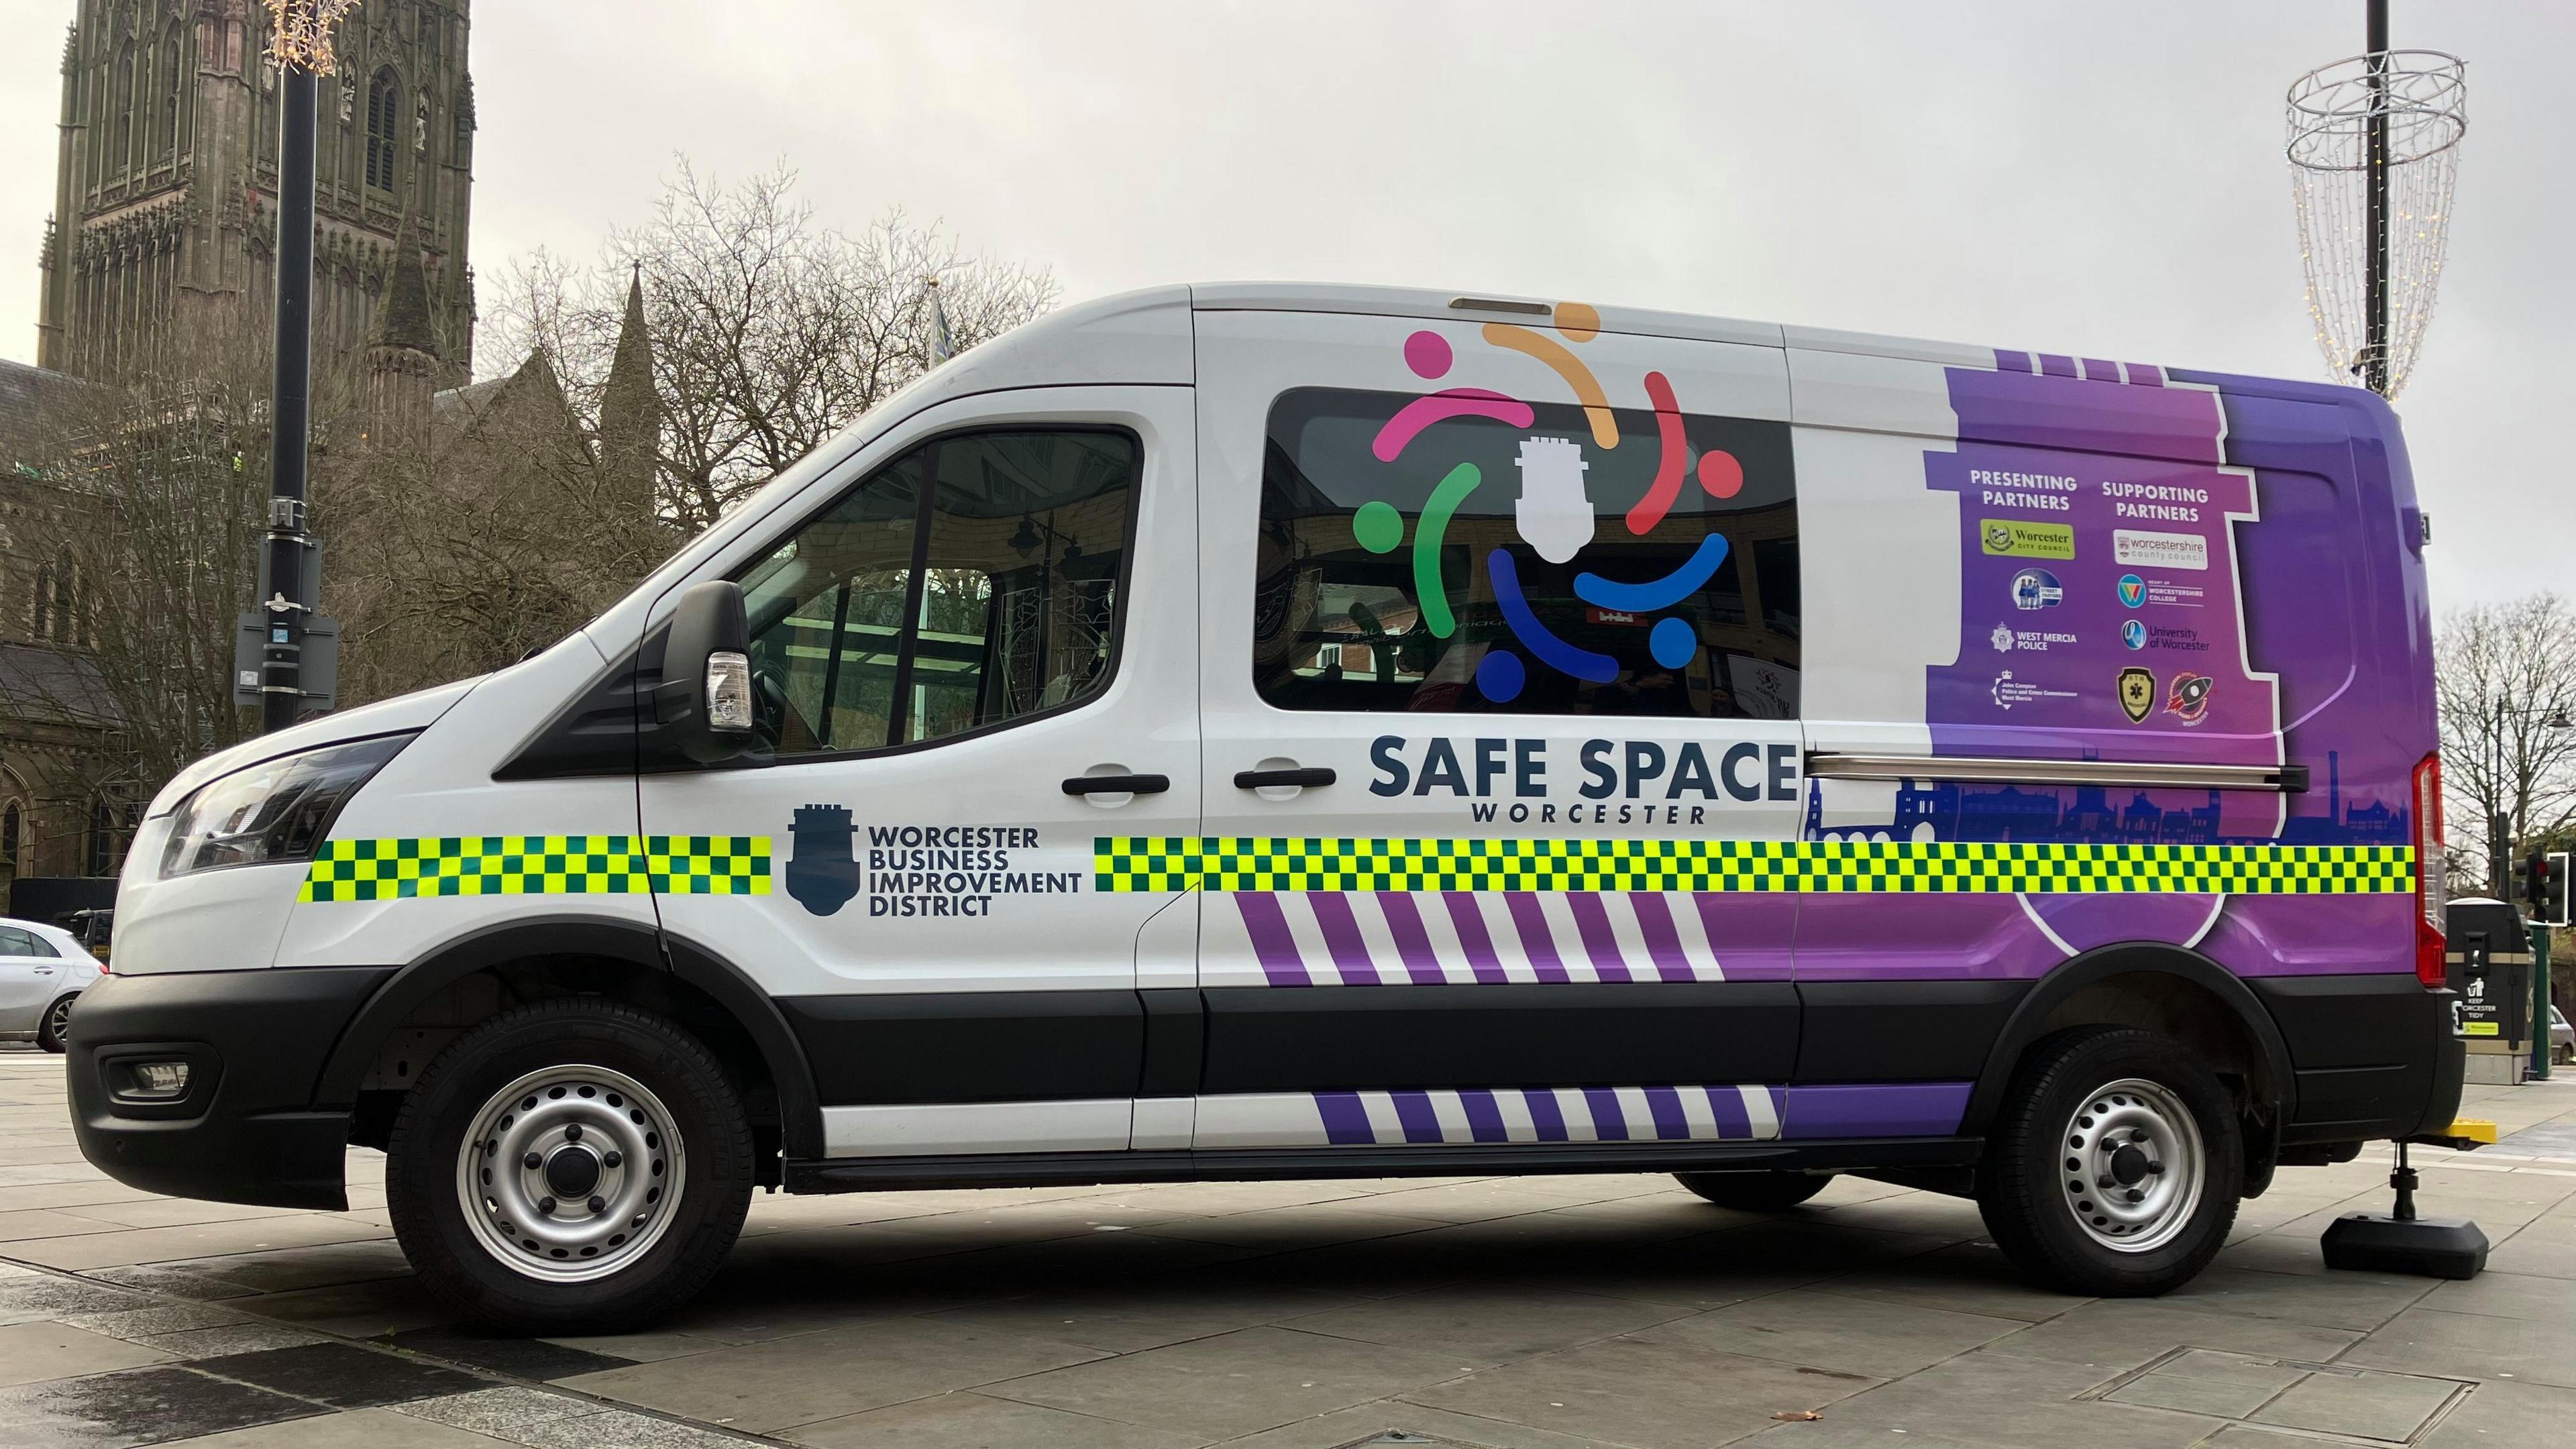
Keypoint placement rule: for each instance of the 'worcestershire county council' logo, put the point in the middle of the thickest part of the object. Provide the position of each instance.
(2036, 589)
(2133, 591)
(2133, 634)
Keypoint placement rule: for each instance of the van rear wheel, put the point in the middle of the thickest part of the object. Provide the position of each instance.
(2114, 1165)
(1755, 1192)
(570, 1166)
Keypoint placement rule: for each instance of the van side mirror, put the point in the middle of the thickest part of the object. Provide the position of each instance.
(704, 699)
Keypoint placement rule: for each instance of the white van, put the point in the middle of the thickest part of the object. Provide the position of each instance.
(1282, 731)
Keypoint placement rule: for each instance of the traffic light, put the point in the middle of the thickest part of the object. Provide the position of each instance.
(2541, 880)
(2554, 889)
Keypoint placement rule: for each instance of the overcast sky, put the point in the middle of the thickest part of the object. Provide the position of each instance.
(2104, 180)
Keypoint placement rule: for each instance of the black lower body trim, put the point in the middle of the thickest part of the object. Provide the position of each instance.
(1065, 1169)
(255, 1041)
(2373, 1055)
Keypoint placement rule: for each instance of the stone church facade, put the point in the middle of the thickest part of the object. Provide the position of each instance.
(164, 227)
(166, 179)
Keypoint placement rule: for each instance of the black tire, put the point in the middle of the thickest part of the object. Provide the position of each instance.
(2059, 1140)
(709, 1149)
(1755, 1192)
(58, 1019)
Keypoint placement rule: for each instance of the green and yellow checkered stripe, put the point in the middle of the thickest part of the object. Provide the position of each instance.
(1176, 863)
(538, 865)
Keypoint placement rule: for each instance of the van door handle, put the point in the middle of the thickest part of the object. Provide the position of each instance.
(1117, 784)
(1265, 779)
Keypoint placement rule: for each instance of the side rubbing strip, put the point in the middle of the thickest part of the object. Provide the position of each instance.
(531, 865)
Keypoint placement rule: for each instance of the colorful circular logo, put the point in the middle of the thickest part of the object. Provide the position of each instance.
(2133, 590)
(2134, 634)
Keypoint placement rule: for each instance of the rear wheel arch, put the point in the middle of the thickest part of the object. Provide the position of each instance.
(2166, 989)
(470, 980)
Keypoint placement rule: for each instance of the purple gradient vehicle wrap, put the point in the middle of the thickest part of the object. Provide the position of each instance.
(2248, 550)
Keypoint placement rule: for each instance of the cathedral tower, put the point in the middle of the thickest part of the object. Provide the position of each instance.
(165, 198)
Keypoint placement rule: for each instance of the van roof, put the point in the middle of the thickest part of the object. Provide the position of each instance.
(1145, 337)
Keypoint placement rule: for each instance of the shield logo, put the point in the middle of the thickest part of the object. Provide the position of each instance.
(2137, 694)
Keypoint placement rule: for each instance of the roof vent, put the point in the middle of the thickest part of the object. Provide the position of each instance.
(1493, 304)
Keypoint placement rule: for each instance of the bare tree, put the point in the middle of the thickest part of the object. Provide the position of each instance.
(494, 535)
(771, 332)
(2505, 675)
(132, 553)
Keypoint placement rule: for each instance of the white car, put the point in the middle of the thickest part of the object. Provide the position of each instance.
(41, 969)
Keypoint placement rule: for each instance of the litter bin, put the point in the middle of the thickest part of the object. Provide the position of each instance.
(2490, 970)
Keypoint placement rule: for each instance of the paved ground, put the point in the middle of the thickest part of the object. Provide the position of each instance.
(1538, 1312)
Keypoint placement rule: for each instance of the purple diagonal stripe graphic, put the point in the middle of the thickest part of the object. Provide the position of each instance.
(1412, 943)
(1665, 1105)
(1600, 940)
(1342, 937)
(1346, 1122)
(1484, 1116)
(1726, 1108)
(1413, 1109)
(1608, 1122)
(1272, 945)
(1469, 918)
(1663, 941)
(1549, 1122)
(1537, 942)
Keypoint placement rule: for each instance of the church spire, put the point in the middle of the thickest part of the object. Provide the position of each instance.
(402, 352)
(403, 320)
(630, 410)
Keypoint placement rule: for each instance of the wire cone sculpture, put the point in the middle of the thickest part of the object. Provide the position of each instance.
(2421, 99)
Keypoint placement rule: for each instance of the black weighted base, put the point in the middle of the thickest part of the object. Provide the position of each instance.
(2425, 1247)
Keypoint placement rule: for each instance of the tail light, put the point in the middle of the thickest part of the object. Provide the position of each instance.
(2430, 965)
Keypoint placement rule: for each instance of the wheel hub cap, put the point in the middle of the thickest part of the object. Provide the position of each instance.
(2132, 1167)
(570, 1173)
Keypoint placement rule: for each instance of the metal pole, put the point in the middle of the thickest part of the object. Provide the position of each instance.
(281, 682)
(2499, 872)
(2377, 296)
(2539, 1001)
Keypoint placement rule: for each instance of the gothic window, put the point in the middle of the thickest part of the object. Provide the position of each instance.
(384, 128)
(166, 144)
(10, 821)
(60, 611)
(120, 150)
(104, 854)
(40, 618)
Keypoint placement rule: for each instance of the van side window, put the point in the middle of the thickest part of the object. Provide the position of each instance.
(1471, 565)
(970, 583)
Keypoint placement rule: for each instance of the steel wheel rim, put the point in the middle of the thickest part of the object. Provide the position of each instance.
(570, 1173)
(2131, 1165)
(58, 1019)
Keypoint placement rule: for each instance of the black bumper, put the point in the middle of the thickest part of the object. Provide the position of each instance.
(2373, 1055)
(248, 1129)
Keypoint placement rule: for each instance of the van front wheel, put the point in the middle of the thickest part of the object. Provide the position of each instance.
(2114, 1165)
(570, 1166)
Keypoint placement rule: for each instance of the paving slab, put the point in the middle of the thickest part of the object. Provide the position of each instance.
(786, 1382)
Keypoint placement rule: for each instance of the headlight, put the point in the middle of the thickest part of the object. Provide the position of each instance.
(273, 811)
